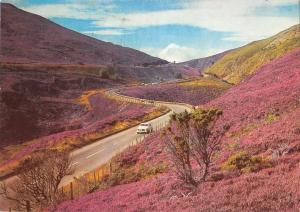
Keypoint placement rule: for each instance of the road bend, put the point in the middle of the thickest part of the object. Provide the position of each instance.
(92, 156)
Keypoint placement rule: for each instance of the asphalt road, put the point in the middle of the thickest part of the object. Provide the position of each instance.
(98, 153)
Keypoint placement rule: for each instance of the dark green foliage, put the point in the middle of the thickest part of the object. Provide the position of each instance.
(193, 138)
(108, 73)
(179, 76)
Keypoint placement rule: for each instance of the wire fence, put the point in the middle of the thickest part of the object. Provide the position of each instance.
(90, 181)
(114, 94)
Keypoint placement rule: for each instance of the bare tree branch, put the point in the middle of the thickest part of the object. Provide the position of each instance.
(39, 181)
(192, 138)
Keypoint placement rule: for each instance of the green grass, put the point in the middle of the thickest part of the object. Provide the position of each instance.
(244, 131)
(242, 62)
(245, 163)
(271, 117)
(207, 82)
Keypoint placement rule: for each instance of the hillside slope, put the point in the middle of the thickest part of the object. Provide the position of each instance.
(194, 92)
(242, 62)
(202, 63)
(264, 112)
(27, 38)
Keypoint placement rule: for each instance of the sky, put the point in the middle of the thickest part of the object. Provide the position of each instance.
(175, 30)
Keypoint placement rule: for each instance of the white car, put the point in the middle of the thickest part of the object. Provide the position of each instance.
(144, 128)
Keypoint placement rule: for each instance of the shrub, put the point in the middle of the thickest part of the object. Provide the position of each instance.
(39, 180)
(245, 163)
(179, 76)
(244, 131)
(272, 117)
(193, 138)
(108, 73)
(113, 179)
(148, 170)
(132, 173)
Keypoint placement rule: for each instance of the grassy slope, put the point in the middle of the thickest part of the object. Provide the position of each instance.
(200, 91)
(249, 103)
(242, 62)
(103, 116)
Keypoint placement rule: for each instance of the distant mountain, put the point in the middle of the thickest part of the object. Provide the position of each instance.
(29, 38)
(242, 62)
(202, 63)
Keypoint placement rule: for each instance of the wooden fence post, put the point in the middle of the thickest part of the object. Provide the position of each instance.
(28, 208)
(71, 190)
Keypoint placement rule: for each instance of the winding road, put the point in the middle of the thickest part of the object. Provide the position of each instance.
(93, 156)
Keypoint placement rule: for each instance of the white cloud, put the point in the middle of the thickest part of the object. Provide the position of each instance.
(175, 52)
(218, 15)
(11, 1)
(106, 32)
(71, 10)
(234, 16)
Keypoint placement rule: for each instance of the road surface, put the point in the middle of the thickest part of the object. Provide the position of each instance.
(100, 152)
(92, 156)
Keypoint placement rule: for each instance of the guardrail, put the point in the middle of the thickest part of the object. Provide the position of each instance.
(113, 93)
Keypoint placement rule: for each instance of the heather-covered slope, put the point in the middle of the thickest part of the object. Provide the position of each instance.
(39, 109)
(264, 112)
(194, 92)
(27, 38)
(242, 62)
(31, 39)
(203, 63)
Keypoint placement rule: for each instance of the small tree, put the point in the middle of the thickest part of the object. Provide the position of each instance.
(38, 182)
(108, 73)
(179, 76)
(192, 140)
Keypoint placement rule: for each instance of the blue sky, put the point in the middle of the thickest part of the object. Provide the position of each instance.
(173, 30)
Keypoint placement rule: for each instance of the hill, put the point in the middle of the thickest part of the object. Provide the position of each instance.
(264, 119)
(194, 92)
(29, 38)
(202, 63)
(242, 62)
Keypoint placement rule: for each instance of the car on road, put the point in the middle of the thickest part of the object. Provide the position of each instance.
(144, 128)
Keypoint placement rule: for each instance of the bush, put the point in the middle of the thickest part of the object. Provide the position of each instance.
(108, 73)
(179, 76)
(272, 115)
(193, 138)
(38, 182)
(245, 163)
(133, 173)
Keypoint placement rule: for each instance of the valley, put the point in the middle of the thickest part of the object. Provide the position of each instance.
(235, 113)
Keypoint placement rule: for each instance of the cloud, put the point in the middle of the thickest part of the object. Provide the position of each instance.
(86, 11)
(11, 1)
(178, 53)
(239, 19)
(106, 32)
